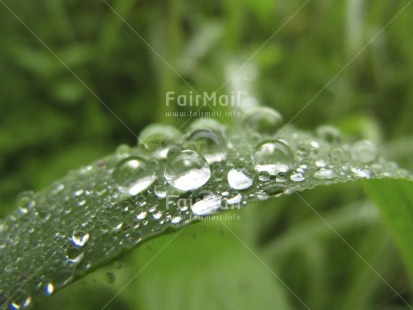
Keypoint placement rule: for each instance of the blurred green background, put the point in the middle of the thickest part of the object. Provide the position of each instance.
(61, 62)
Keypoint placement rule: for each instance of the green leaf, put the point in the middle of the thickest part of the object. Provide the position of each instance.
(98, 213)
(394, 198)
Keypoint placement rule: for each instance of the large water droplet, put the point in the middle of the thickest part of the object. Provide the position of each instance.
(364, 151)
(20, 300)
(79, 238)
(207, 205)
(208, 143)
(262, 120)
(187, 170)
(134, 175)
(272, 156)
(239, 178)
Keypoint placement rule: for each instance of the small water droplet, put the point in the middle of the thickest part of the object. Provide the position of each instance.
(272, 156)
(262, 120)
(234, 198)
(134, 175)
(297, 177)
(110, 277)
(158, 139)
(123, 150)
(264, 176)
(364, 151)
(74, 254)
(157, 215)
(329, 133)
(142, 215)
(161, 190)
(274, 189)
(208, 143)
(239, 178)
(324, 174)
(187, 170)
(207, 205)
(176, 220)
(25, 202)
(20, 300)
(361, 173)
(79, 238)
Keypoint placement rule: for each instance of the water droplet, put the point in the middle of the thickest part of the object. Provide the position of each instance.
(239, 178)
(25, 202)
(110, 277)
(161, 190)
(206, 123)
(274, 189)
(297, 177)
(79, 238)
(262, 120)
(123, 150)
(208, 143)
(272, 156)
(360, 173)
(157, 215)
(187, 170)
(233, 199)
(264, 176)
(74, 254)
(46, 288)
(157, 138)
(176, 220)
(207, 205)
(142, 215)
(329, 133)
(134, 175)
(364, 151)
(20, 300)
(324, 174)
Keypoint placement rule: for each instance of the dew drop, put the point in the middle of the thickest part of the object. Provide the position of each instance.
(208, 143)
(176, 220)
(274, 189)
(159, 138)
(134, 175)
(25, 202)
(264, 176)
(234, 199)
(329, 133)
(324, 174)
(20, 300)
(262, 120)
(297, 177)
(186, 170)
(142, 215)
(161, 190)
(239, 178)
(364, 151)
(74, 254)
(206, 123)
(79, 238)
(272, 156)
(207, 205)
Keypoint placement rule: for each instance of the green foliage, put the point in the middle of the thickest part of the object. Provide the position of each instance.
(50, 123)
